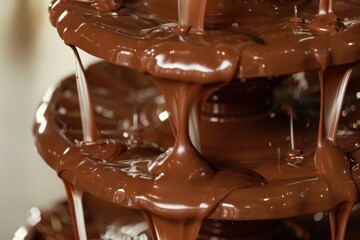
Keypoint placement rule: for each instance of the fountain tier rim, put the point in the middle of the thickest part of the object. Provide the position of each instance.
(137, 39)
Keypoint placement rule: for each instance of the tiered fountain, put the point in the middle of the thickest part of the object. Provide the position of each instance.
(213, 119)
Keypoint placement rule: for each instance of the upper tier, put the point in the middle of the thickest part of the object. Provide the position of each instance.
(263, 39)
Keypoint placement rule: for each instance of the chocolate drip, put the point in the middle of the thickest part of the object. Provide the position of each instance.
(330, 161)
(326, 21)
(191, 15)
(87, 117)
(75, 198)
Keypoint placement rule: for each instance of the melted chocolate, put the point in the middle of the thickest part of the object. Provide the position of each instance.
(106, 5)
(243, 47)
(179, 180)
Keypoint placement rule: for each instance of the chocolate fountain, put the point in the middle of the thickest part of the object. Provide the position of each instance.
(206, 120)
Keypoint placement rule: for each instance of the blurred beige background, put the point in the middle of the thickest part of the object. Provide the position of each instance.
(32, 58)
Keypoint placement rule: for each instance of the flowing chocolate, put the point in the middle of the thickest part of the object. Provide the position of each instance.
(211, 164)
(107, 5)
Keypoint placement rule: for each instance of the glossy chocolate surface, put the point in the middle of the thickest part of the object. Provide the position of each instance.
(227, 147)
(245, 47)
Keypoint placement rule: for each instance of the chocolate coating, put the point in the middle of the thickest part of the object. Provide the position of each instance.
(242, 48)
(204, 156)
